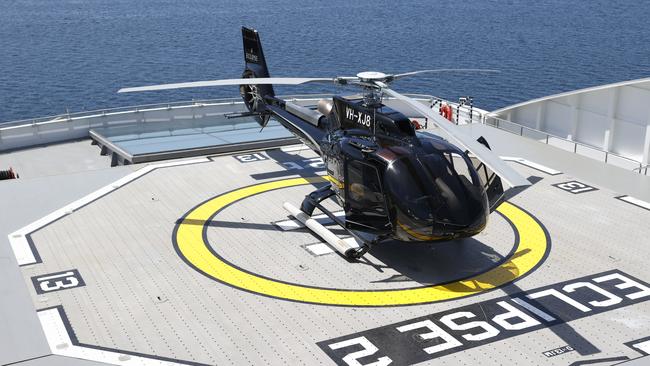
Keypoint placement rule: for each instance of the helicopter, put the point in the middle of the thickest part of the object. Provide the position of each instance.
(393, 182)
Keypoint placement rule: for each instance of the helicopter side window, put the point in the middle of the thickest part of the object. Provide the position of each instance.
(406, 127)
(364, 196)
(364, 186)
(387, 128)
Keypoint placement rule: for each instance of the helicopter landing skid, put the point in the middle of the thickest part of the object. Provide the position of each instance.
(354, 247)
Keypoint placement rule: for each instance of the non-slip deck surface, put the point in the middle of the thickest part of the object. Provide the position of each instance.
(142, 296)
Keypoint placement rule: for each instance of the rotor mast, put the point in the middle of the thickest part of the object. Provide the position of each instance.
(372, 90)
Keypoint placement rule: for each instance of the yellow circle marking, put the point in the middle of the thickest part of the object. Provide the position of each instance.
(532, 248)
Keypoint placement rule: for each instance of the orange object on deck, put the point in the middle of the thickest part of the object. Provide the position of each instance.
(446, 111)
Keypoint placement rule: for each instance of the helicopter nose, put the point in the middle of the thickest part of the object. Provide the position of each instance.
(410, 229)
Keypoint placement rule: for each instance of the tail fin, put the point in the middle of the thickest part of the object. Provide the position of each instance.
(254, 95)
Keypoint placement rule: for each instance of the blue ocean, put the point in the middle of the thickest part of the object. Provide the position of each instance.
(75, 54)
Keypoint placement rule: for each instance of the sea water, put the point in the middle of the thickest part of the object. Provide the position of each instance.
(75, 54)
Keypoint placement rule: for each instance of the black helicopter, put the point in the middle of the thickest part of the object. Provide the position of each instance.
(393, 182)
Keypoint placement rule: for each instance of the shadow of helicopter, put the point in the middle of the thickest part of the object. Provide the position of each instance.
(291, 165)
(562, 329)
(442, 263)
(428, 264)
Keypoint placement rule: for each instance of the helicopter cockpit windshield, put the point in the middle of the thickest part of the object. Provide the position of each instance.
(459, 166)
(437, 188)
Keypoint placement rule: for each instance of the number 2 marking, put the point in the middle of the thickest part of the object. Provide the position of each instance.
(368, 349)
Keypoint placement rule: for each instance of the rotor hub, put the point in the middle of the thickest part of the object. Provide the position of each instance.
(372, 76)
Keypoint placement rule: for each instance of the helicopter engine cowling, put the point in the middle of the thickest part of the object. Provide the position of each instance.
(309, 115)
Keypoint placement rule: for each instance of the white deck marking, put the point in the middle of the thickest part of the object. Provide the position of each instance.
(55, 276)
(532, 164)
(352, 241)
(519, 301)
(60, 344)
(22, 250)
(643, 347)
(20, 245)
(293, 224)
(319, 249)
(635, 201)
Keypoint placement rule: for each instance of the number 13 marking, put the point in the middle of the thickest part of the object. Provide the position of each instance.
(48, 284)
(57, 281)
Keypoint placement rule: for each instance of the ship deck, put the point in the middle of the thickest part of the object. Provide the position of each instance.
(196, 262)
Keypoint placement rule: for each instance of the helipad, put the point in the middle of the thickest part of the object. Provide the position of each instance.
(185, 262)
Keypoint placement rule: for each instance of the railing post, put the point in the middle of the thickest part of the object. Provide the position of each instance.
(606, 155)
(521, 131)
(575, 148)
(547, 139)
(471, 109)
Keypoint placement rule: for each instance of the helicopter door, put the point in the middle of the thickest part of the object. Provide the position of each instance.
(490, 181)
(365, 203)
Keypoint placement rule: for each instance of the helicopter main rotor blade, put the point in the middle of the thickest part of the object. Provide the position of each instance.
(406, 74)
(490, 159)
(226, 82)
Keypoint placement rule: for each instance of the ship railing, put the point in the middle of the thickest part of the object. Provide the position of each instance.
(567, 144)
(141, 107)
(643, 169)
(461, 113)
(71, 126)
(188, 103)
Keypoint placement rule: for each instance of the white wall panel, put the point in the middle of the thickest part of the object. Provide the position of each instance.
(630, 101)
(591, 128)
(596, 101)
(557, 119)
(526, 116)
(633, 105)
(628, 139)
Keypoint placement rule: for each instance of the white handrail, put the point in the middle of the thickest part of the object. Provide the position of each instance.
(497, 122)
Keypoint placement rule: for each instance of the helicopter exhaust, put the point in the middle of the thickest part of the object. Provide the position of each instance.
(344, 247)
